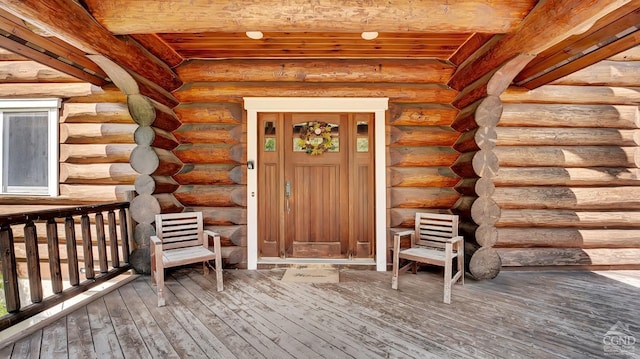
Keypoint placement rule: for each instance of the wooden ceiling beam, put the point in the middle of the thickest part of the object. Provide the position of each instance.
(473, 44)
(157, 46)
(603, 32)
(162, 16)
(321, 71)
(589, 59)
(548, 23)
(50, 61)
(17, 28)
(74, 25)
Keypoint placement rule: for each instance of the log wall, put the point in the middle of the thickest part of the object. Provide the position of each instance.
(213, 180)
(96, 139)
(95, 132)
(213, 134)
(568, 183)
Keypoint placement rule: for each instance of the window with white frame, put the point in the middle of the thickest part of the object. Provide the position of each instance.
(29, 146)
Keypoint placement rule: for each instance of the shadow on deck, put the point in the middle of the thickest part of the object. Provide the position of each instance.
(519, 314)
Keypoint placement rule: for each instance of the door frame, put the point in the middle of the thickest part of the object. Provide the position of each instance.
(377, 106)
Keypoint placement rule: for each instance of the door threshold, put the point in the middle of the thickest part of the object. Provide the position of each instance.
(270, 262)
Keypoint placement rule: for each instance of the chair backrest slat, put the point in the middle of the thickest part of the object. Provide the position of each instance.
(180, 229)
(432, 228)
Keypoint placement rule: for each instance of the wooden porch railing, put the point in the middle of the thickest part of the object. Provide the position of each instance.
(51, 219)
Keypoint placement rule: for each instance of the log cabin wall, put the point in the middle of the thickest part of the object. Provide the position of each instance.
(213, 135)
(95, 132)
(568, 184)
(96, 139)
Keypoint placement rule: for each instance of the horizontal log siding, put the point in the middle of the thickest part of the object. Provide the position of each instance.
(96, 138)
(213, 138)
(568, 174)
(212, 147)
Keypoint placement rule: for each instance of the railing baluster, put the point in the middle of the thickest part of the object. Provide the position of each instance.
(33, 262)
(85, 224)
(102, 243)
(54, 255)
(72, 250)
(113, 239)
(124, 237)
(9, 265)
(9, 270)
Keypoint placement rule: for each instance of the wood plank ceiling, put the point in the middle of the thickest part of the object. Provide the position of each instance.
(449, 31)
(218, 45)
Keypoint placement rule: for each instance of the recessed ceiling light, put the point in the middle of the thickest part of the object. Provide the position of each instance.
(369, 35)
(256, 35)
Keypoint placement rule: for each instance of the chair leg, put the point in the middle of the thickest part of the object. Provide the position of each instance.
(394, 278)
(447, 282)
(396, 261)
(219, 275)
(205, 268)
(160, 283)
(153, 265)
(461, 261)
(158, 275)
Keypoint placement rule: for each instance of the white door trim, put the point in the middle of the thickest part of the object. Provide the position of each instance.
(378, 106)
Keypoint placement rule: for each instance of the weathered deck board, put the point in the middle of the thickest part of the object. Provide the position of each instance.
(54, 340)
(267, 338)
(321, 325)
(339, 343)
(518, 314)
(154, 338)
(28, 347)
(333, 318)
(128, 335)
(79, 339)
(105, 340)
(181, 341)
(206, 340)
(457, 320)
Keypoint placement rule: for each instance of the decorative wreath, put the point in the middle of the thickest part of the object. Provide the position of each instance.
(314, 130)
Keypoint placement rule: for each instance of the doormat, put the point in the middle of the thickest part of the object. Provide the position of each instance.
(311, 275)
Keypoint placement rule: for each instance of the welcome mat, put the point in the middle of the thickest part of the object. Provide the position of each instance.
(311, 275)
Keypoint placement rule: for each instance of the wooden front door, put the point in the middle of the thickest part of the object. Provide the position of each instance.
(316, 185)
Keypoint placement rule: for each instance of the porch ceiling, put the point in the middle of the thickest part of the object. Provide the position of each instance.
(234, 45)
(150, 38)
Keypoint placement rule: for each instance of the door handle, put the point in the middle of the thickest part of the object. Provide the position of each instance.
(287, 195)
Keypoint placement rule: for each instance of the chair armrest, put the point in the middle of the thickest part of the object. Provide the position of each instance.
(217, 250)
(398, 235)
(155, 249)
(452, 240)
(212, 234)
(407, 232)
(155, 241)
(216, 240)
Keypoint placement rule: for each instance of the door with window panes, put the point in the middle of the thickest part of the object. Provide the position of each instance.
(316, 185)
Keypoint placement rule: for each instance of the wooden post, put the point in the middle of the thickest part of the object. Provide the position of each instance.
(9, 270)
(33, 262)
(124, 235)
(102, 243)
(113, 239)
(87, 246)
(72, 250)
(54, 256)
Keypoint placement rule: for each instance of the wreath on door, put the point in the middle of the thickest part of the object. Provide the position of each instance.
(315, 138)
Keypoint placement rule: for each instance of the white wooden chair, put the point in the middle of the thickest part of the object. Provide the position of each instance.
(435, 241)
(180, 239)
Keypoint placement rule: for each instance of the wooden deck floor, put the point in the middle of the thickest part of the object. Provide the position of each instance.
(517, 315)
